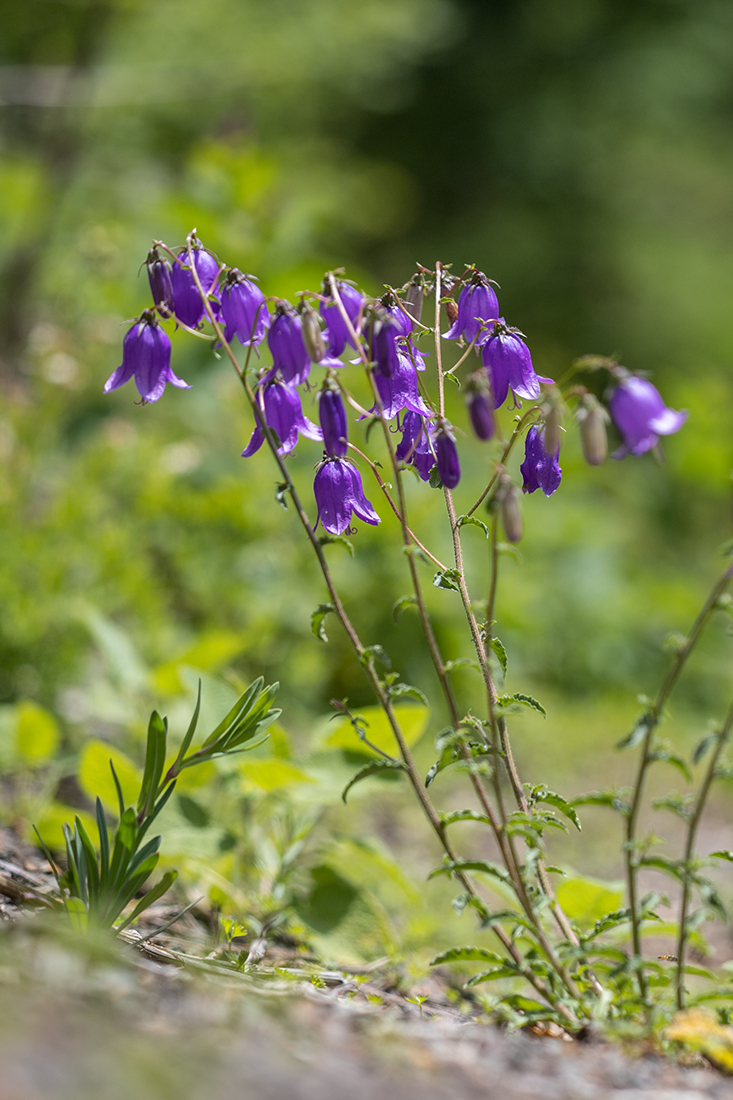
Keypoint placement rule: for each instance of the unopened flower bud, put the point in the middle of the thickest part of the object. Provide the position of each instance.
(451, 311)
(480, 404)
(332, 415)
(511, 510)
(446, 454)
(592, 418)
(312, 334)
(553, 418)
(159, 276)
(414, 298)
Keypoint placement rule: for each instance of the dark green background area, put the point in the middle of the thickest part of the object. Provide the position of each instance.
(580, 152)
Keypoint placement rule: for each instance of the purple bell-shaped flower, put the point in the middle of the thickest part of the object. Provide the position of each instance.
(146, 354)
(477, 304)
(332, 414)
(415, 446)
(381, 333)
(285, 341)
(639, 413)
(400, 390)
(540, 470)
(338, 332)
(188, 306)
(339, 495)
(446, 454)
(243, 309)
(284, 414)
(509, 363)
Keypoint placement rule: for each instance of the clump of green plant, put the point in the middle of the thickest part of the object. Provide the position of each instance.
(99, 882)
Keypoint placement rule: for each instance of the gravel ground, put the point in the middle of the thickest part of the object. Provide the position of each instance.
(86, 1020)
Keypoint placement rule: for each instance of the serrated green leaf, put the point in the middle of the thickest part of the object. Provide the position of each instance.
(317, 618)
(498, 647)
(462, 662)
(375, 767)
(447, 578)
(399, 606)
(494, 973)
(707, 742)
(467, 954)
(464, 815)
(483, 866)
(336, 540)
(638, 733)
(474, 521)
(723, 853)
(550, 798)
(520, 699)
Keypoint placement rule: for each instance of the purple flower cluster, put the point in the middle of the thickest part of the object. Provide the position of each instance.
(189, 284)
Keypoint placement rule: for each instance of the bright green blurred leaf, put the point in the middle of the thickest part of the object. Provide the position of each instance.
(95, 774)
(51, 821)
(586, 900)
(273, 774)
(413, 721)
(36, 733)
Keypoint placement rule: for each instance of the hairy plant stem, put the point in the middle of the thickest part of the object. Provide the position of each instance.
(504, 456)
(368, 664)
(498, 826)
(498, 727)
(651, 720)
(722, 739)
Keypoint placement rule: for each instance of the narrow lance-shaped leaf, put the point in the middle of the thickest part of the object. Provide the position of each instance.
(154, 762)
(152, 895)
(188, 738)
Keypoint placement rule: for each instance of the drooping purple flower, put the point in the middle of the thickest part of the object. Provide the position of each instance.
(381, 333)
(285, 341)
(159, 277)
(446, 453)
(338, 332)
(480, 404)
(539, 470)
(146, 354)
(339, 495)
(243, 309)
(400, 391)
(188, 306)
(332, 414)
(401, 320)
(509, 363)
(284, 414)
(639, 413)
(412, 426)
(477, 304)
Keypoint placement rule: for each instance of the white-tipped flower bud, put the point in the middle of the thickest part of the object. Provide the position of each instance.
(511, 510)
(592, 419)
(311, 332)
(414, 299)
(553, 421)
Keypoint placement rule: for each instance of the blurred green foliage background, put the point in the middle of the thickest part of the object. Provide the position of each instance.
(579, 151)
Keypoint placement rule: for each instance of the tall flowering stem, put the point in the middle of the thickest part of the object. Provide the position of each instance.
(498, 728)
(364, 656)
(650, 721)
(497, 824)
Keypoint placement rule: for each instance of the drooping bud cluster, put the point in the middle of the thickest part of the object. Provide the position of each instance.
(189, 286)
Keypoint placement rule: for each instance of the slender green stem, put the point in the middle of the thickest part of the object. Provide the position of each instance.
(504, 456)
(651, 720)
(722, 739)
(393, 506)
